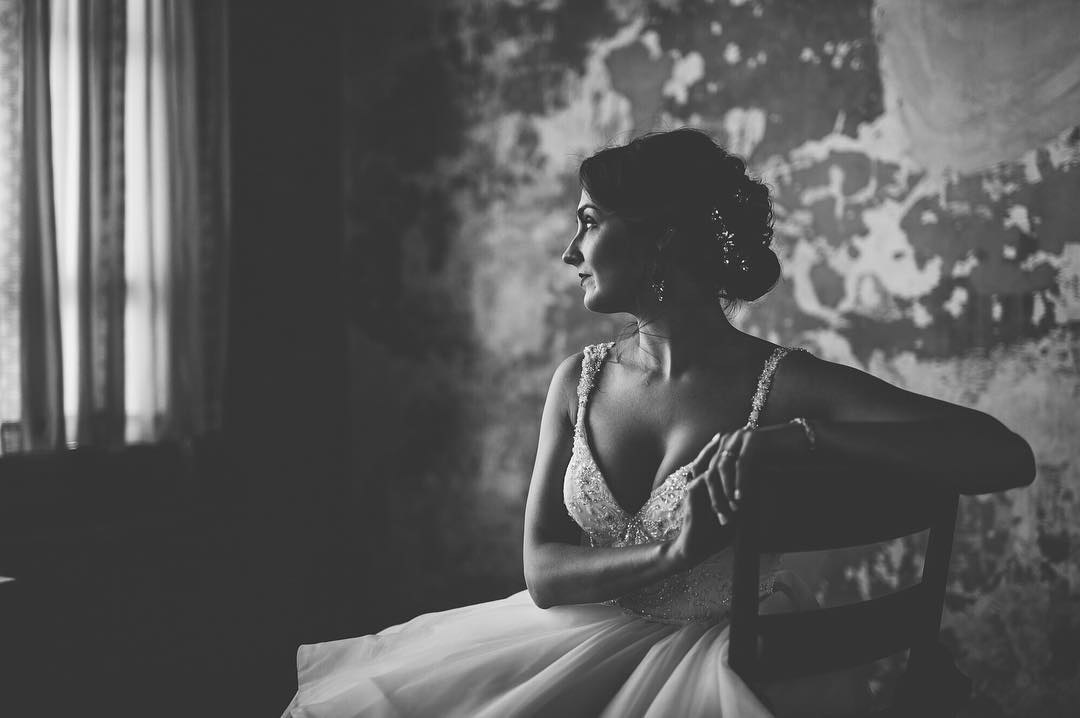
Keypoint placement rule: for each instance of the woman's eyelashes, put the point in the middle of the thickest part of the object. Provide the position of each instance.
(585, 220)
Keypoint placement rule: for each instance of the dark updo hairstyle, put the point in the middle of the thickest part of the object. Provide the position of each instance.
(676, 179)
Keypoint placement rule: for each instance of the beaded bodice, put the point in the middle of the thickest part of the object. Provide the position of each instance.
(701, 592)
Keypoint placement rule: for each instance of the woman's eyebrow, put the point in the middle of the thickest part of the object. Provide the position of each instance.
(584, 207)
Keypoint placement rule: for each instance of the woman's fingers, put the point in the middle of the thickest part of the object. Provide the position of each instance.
(716, 493)
(702, 459)
(729, 467)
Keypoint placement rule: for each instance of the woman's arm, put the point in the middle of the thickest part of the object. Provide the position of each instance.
(976, 455)
(557, 569)
(865, 421)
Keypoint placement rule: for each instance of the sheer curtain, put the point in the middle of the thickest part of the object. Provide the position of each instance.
(122, 242)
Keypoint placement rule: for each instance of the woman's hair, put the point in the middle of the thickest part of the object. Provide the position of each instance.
(683, 179)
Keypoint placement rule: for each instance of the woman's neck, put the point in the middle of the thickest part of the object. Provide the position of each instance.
(672, 341)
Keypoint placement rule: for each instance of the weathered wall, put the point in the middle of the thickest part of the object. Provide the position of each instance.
(465, 124)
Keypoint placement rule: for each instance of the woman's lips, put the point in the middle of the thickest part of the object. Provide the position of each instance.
(583, 278)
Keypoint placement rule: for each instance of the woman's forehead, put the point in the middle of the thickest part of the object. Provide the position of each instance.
(586, 199)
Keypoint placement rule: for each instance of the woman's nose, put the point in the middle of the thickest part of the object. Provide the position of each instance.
(571, 255)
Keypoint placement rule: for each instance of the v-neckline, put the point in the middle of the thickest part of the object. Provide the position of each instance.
(583, 409)
(757, 402)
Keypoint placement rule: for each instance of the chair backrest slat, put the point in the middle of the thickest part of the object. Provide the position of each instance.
(789, 510)
(817, 641)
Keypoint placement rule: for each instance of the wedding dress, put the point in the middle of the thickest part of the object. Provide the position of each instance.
(659, 651)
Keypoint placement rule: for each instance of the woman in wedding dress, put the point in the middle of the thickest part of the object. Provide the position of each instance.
(643, 444)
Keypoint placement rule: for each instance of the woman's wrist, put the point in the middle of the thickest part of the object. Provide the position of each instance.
(673, 556)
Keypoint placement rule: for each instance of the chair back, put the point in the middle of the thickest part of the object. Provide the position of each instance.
(790, 509)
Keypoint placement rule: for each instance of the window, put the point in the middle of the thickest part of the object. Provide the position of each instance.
(113, 221)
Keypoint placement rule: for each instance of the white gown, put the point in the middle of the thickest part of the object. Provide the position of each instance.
(660, 651)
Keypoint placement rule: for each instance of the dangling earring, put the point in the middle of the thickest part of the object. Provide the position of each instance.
(658, 286)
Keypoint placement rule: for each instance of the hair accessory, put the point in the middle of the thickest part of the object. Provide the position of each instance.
(807, 429)
(720, 228)
(729, 252)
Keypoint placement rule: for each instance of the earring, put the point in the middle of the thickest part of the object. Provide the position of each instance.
(657, 286)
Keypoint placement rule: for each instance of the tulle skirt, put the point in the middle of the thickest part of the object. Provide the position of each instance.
(508, 658)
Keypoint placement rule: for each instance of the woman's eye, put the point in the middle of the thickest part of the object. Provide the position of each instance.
(588, 222)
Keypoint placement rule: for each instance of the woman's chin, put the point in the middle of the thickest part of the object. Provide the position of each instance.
(600, 305)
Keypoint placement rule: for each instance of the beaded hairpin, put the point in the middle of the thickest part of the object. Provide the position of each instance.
(728, 251)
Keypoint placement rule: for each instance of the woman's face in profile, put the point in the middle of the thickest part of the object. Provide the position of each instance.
(609, 256)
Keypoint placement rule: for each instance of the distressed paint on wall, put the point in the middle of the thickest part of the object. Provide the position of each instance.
(462, 185)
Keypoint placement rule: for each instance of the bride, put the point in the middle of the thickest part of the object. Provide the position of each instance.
(643, 444)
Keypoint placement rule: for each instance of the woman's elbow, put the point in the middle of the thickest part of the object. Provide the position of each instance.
(535, 582)
(539, 597)
(1027, 467)
(1014, 464)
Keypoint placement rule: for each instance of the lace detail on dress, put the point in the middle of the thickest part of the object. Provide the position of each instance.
(702, 592)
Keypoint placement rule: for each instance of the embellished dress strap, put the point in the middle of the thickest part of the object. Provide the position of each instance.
(765, 382)
(590, 364)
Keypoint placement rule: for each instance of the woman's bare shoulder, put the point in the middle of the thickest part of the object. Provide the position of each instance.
(568, 371)
(565, 382)
(794, 389)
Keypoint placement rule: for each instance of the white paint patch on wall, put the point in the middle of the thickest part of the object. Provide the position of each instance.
(884, 252)
(963, 267)
(685, 72)
(833, 190)
(1038, 308)
(920, 316)
(796, 269)
(594, 113)
(995, 187)
(956, 302)
(651, 41)
(1067, 303)
(883, 140)
(832, 346)
(1062, 150)
(744, 129)
(1018, 218)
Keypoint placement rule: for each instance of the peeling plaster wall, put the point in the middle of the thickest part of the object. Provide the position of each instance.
(466, 122)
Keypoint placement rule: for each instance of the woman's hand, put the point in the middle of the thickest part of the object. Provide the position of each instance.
(719, 475)
(702, 534)
(729, 466)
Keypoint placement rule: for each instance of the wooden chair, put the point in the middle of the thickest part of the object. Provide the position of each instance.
(794, 510)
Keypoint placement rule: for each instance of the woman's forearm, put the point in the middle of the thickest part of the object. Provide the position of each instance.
(973, 457)
(561, 573)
